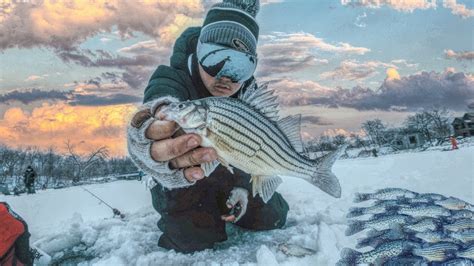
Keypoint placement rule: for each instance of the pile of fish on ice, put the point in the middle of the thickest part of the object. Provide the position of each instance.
(411, 228)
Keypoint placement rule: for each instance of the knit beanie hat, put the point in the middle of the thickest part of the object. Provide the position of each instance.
(232, 24)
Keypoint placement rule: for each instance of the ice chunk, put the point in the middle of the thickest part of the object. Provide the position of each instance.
(265, 257)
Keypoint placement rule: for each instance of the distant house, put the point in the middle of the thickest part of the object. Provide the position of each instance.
(464, 126)
(406, 138)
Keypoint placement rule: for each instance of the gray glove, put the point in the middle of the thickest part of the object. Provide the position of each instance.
(238, 201)
(139, 148)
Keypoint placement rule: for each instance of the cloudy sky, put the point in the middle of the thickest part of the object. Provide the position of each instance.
(76, 70)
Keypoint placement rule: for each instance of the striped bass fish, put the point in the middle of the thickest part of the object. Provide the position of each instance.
(432, 236)
(378, 223)
(375, 238)
(464, 236)
(436, 252)
(385, 194)
(378, 208)
(247, 133)
(461, 224)
(424, 210)
(453, 203)
(462, 214)
(468, 253)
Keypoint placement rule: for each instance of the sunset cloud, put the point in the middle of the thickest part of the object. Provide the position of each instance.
(52, 125)
(136, 62)
(298, 92)
(33, 78)
(404, 62)
(405, 6)
(423, 90)
(458, 9)
(314, 120)
(95, 100)
(464, 55)
(291, 52)
(392, 74)
(341, 131)
(354, 70)
(101, 58)
(94, 92)
(280, 40)
(63, 25)
(29, 96)
(412, 5)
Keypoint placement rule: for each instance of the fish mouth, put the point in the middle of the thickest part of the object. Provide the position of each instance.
(170, 113)
(166, 113)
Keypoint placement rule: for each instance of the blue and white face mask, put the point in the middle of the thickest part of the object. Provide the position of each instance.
(219, 61)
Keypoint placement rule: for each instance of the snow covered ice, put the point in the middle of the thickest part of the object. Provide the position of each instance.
(71, 221)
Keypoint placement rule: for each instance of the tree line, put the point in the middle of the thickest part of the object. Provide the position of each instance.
(54, 167)
(433, 124)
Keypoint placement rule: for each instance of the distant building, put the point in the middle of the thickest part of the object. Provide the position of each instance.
(405, 138)
(464, 126)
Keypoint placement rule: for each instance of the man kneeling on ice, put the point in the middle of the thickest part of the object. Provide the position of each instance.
(195, 208)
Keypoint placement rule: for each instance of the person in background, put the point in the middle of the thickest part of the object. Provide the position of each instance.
(29, 180)
(374, 152)
(454, 143)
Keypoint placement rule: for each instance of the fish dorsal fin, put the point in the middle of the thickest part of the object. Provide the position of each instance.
(265, 186)
(291, 127)
(262, 99)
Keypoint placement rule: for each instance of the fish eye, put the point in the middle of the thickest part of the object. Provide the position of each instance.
(181, 106)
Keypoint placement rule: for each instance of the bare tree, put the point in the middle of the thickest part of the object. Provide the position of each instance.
(375, 131)
(339, 139)
(50, 158)
(440, 123)
(51, 166)
(83, 163)
(421, 122)
(10, 161)
(358, 141)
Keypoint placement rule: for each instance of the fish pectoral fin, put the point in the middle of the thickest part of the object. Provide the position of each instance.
(225, 164)
(209, 167)
(265, 186)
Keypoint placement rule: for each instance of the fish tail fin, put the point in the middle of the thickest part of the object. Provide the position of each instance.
(349, 256)
(365, 242)
(324, 177)
(373, 238)
(354, 228)
(361, 243)
(355, 212)
(375, 233)
(360, 197)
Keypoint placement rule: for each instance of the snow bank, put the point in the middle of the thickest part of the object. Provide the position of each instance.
(51, 208)
(71, 219)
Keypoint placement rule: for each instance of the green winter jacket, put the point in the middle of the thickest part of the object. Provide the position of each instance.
(181, 79)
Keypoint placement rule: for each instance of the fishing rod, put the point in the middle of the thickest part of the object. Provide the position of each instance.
(115, 211)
